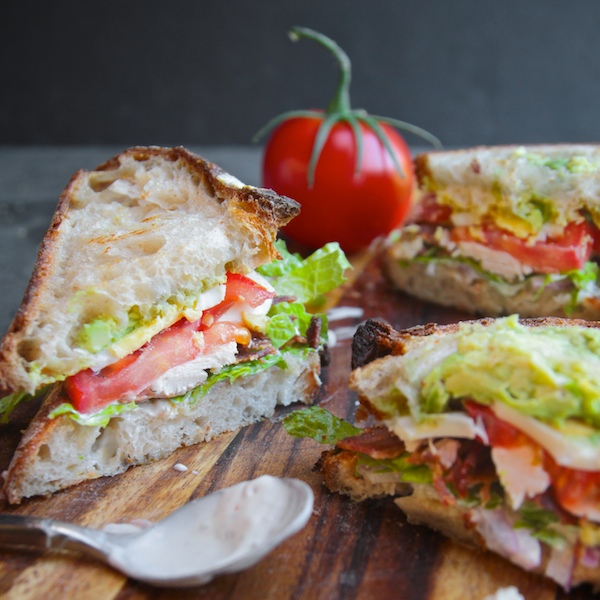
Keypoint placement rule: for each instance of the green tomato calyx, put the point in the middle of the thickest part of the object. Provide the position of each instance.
(339, 111)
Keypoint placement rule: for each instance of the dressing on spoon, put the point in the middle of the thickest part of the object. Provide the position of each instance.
(224, 532)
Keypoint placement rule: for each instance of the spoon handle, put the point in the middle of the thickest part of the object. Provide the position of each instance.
(19, 532)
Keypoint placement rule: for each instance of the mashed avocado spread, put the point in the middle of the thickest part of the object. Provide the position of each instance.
(550, 373)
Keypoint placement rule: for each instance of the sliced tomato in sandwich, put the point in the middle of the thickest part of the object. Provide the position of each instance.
(555, 255)
(576, 491)
(90, 391)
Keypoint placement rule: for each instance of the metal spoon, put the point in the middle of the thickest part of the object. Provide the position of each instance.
(224, 532)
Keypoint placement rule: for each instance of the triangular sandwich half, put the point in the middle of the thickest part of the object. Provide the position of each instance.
(147, 324)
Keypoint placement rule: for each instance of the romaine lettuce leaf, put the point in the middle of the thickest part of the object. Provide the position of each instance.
(582, 279)
(307, 279)
(10, 402)
(231, 373)
(320, 425)
(100, 418)
(288, 319)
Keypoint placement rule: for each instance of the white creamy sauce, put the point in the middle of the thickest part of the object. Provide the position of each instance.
(340, 334)
(225, 531)
(344, 312)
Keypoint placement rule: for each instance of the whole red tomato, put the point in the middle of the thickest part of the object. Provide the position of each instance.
(351, 172)
(344, 205)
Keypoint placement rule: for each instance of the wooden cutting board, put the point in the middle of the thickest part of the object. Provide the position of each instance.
(346, 551)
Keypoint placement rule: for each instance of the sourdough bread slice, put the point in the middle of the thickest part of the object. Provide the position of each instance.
(56, 453)
(131, 246)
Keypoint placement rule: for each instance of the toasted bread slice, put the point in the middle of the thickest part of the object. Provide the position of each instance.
(130, 246)
(56, 453)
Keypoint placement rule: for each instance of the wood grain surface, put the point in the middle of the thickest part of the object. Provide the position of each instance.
(346, 551)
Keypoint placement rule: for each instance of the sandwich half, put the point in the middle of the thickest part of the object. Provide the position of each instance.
(488, 431)
(161, 313)
(503, 230)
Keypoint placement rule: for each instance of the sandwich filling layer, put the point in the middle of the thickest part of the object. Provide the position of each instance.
(245, 326)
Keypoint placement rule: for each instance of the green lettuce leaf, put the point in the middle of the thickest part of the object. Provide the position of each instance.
(9, 403)
(320, 425)
(100, 418)
(288, 319)
(408, 472)
(231, 373)
(582, 279)
(539, 521)
(307, 279)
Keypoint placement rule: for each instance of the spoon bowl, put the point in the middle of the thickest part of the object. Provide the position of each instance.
(224, 532)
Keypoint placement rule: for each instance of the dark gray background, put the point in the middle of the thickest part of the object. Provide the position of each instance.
(197, 72)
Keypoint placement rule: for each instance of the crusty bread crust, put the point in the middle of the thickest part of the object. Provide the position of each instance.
(425, 163)
(57, 453)
(38, 347)
(457, 284)
(384, 340)
(339, 471)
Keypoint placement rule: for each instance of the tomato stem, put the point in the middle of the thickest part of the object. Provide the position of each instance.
(340, 103)
(339, 110)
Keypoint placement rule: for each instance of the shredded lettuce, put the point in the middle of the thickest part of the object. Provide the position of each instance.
(320, 425)
(100, 418)
(307, 279)
(582, 279)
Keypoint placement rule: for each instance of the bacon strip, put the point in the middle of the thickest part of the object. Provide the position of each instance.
(376, 442)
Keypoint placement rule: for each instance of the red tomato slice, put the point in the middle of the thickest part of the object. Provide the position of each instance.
(500, 433)
(240, 289)
(575, 490)
(91, 391)
(174, 346)
(555, 255)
